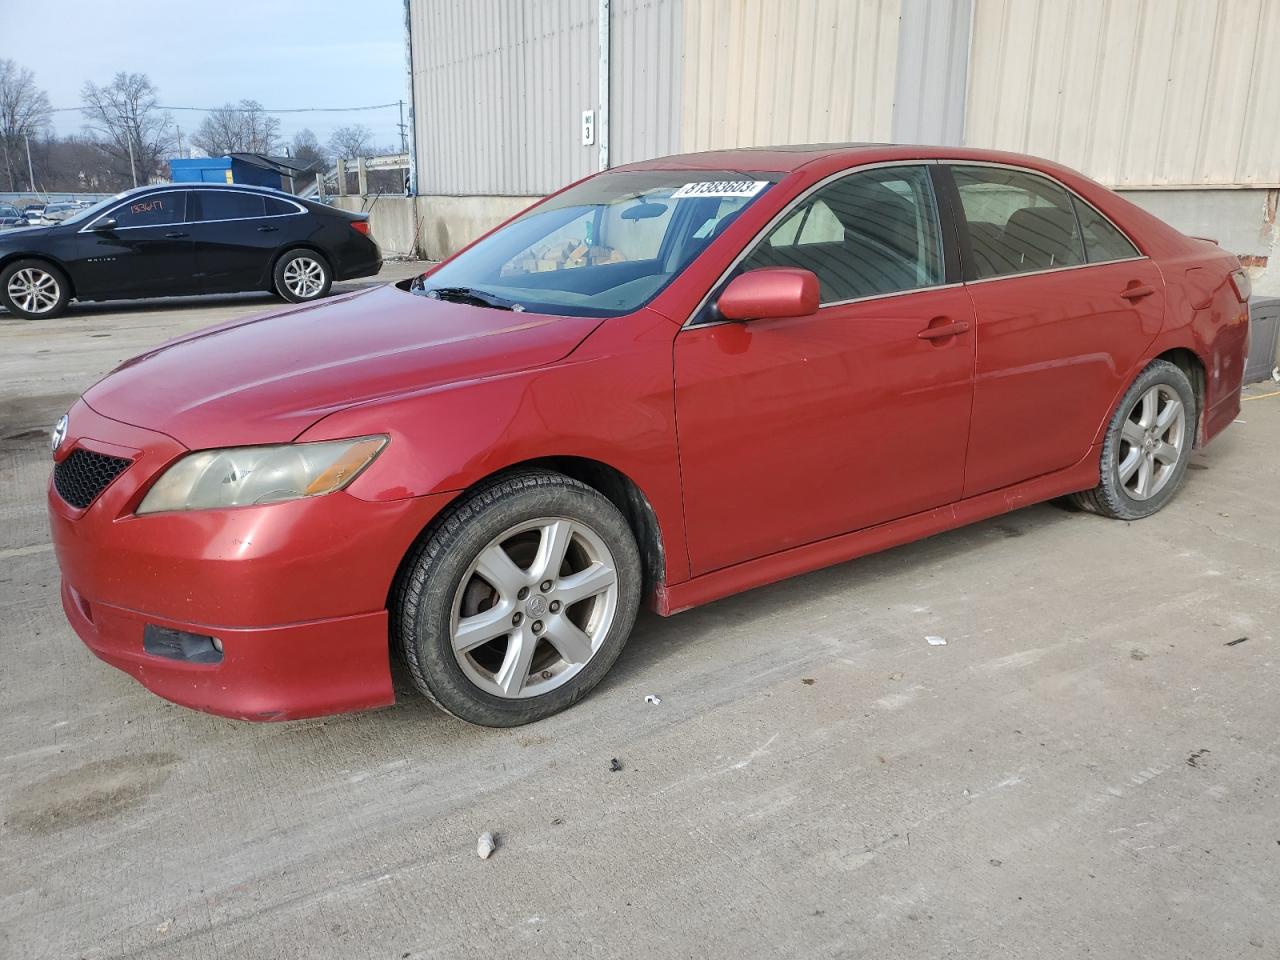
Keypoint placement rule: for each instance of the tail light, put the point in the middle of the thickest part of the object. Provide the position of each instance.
(1241, 285)
(360, 226)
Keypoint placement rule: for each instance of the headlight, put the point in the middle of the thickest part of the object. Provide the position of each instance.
(243, 476)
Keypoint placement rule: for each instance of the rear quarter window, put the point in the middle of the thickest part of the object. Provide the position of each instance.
(1102, 241)
(279, 208)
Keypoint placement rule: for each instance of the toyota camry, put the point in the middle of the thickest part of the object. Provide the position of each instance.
(670, 382)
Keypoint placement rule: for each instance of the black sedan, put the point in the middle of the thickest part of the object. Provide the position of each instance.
(10, 216)
(180, 239)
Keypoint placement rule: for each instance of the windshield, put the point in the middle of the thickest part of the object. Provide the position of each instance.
(603, 248)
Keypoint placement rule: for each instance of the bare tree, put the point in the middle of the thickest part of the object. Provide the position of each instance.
(349, 142)
(307, 149)
(72, 163)
(133, 134)
(238, 128)
(24, 110)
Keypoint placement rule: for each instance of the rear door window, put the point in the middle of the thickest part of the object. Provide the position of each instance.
(229, 205)
(1018, 222)
(872, 233)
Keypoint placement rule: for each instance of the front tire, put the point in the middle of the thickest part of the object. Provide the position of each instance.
(302, 275)
(519, 600)
(1147, 446)
(34, 289)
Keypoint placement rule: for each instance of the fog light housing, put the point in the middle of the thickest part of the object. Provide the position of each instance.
(180, 645)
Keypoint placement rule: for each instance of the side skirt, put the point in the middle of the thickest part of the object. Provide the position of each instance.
(676, 598)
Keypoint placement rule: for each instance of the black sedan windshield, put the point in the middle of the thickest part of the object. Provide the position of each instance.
(603, 248)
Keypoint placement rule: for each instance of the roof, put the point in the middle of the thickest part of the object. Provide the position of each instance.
(789, 158)
(199, 185)
(786, 157)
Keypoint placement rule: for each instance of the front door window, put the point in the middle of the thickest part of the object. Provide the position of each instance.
(869, 234)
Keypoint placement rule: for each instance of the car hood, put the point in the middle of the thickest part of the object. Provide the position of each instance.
(18, 233)
(266, 379)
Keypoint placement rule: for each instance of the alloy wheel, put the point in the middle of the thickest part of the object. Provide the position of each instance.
(1152, 439)
(534, 607)
(304, 277)
(34, 290)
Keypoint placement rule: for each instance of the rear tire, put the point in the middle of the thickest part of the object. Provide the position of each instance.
(34, 289)
(1147, 446)
(519, 600)
(302, 275)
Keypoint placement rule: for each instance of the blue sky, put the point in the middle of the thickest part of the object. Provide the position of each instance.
(314, 53)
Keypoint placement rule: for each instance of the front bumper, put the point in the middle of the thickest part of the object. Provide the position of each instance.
(270, 673)
(295, 592)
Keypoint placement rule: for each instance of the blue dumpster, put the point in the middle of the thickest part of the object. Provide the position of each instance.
(222, 170)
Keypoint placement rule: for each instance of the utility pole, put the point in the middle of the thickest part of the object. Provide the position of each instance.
(404, 140)
(180, 153)
(30, 176)
(128, 136)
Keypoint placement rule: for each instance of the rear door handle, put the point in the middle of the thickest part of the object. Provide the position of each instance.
(175, 236)
(268, 229)
(943, 330)
(1137, 291)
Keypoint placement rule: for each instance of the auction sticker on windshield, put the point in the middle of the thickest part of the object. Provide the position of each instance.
(721, 188)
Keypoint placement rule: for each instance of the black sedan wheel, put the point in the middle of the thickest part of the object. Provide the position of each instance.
(34, 289)
(302, 275)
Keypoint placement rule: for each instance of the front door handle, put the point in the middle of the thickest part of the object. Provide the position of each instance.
(943, 330)
(1137, 291)
(268, 229)
(175, 235)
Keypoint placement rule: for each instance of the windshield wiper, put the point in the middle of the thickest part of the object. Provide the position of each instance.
(477, 298)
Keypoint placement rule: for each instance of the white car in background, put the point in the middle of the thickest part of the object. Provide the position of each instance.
(57, 212)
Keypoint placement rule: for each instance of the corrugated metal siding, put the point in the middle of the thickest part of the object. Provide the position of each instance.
(760, 72)
(645, 62)
(1133, 92)
(933, 57)
(499, 88)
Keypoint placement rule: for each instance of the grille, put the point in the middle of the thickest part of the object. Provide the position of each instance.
(85, 474)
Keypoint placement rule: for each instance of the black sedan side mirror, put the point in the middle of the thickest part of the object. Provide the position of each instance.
(104, 226)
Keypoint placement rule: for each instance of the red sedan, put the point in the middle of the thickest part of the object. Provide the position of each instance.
(670, 382)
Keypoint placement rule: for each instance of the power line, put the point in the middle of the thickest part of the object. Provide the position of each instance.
(374, 106)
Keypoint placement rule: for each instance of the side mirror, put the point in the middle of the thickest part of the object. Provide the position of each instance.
(770, 292)
(104, 226)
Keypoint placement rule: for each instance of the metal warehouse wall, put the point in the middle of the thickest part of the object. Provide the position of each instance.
(767, 72)
(933, 57)
(499, 87)
(645, 53)
(1136, 93)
